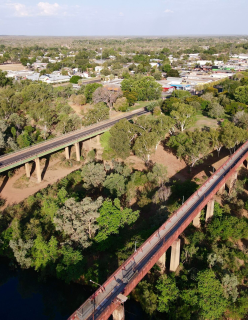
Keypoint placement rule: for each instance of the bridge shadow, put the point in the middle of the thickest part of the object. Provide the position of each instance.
(45, 167)
(207, 168)
(5, 180)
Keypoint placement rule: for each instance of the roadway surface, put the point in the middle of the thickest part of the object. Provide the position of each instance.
(100, 304)
(17, 158)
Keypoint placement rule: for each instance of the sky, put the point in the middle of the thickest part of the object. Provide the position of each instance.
(123, 17)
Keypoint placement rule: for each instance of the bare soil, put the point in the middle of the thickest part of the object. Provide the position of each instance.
(19, 187)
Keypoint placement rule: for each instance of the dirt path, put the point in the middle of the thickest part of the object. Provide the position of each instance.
(54, 173)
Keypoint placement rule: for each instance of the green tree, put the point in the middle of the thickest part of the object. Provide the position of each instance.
(90, 89)
(77, 220)
(183, 115)
(93, 175)
(145, 145)
(99, 113)
(121, 137)
(168, 293)
(74, 79)
(115, 183)
(4, 81)
(241, 94)
(212, 302)
(112, 218)
(44, 252)
(191, 146)
(24, 140)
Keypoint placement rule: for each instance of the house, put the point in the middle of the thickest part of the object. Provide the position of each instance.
(98, 69)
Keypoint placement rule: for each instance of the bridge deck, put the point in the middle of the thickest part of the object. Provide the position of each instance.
(20, 157)
(103, 302)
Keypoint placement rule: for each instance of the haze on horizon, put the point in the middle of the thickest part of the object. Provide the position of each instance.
(123, 17)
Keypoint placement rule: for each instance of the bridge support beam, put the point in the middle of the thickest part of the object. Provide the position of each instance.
(27, 168)
(233, 181)
(175, 255)
(196, 221)
(38, 170)
(161, 263)
(77, 151)
(67, 153)
(119, 313)
(210, 209)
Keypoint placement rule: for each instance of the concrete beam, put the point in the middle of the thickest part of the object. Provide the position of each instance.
(38, 170)
(210, 209)
(233, 180)
(197, 221)
(119, 313)
(77, 151)
(67, 153)
(161, 263)
(27, 168)
(175, 255)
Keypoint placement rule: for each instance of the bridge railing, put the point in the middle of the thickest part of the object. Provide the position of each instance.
(71, 133)
(156, 234)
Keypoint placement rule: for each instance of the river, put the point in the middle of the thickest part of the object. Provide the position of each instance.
(24, 296)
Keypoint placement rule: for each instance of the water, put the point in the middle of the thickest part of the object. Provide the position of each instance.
(23, 296)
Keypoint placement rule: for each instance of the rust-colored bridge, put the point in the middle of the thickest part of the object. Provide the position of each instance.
(107, 300)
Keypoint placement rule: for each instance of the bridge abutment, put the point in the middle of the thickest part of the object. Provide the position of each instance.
(119, 313)
(77, 147)
(161, 263)
(27, 169)
(67, 153)
(210, 209)
(175, 255)
(38, 170)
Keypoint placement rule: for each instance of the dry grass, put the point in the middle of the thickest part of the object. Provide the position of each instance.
(12, 67)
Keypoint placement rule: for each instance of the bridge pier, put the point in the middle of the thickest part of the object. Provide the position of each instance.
(175, 255)
(196, 220)
(119, 313)
(210, 209)
(27, 168)
(67, 153)
(38, 170)
(77, 147)
(161, 263)
(222, 189)
(233, 181)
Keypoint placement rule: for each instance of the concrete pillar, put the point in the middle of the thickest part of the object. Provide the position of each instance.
(210, 209)
(119, 313)
(161, 263)
(222, 189)
(77, 151)
(197, 221)
(233, 181)
(175, 255)
(98, 137)
(27, 168)
(67, 153)
(38, 170)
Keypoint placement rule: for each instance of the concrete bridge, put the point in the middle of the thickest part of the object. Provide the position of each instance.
(35, 152)
(110, 297)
